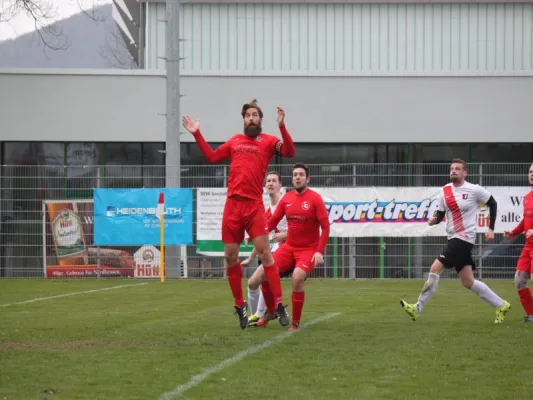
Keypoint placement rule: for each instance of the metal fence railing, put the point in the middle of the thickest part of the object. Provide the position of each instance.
(24, 189)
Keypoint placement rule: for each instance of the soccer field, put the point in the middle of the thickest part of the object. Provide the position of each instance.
(145, 340)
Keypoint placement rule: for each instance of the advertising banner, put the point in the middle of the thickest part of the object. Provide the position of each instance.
(209, 210)
(129, 216)
(68, 247)
(69, 250)
(367, 212)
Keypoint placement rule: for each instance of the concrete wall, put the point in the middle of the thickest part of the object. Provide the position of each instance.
(77, 105)
(130, 106)
(372, 109)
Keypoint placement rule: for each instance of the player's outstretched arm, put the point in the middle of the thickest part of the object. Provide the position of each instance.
(212, 156)
(437, 218)
(323, 220)
(484, 196)
(493, 211)
(250, 258)
(324, 235)
(516, 231)
(287, 145)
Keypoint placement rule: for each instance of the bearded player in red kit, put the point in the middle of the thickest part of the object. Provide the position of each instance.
(304, 248)
(524, 267)
(249, 155)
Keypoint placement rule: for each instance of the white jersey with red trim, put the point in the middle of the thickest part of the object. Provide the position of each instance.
(283, 225)
(461, 205)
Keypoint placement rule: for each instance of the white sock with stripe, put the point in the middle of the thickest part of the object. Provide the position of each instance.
(261, 306)
(430, 287)
(487, 294)
(253, 298)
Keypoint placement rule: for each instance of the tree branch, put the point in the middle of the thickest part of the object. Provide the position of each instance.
(43, 14)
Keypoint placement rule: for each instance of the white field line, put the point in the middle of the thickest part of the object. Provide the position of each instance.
(70, 294)
(198, 379)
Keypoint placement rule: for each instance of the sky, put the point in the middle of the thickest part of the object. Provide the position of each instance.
(21, 23)
(84, 42)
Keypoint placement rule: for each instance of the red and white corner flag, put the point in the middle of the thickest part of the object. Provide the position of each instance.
(160, 206)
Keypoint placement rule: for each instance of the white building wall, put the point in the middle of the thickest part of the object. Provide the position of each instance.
(82, 105)
(346, 38)
(130, 106)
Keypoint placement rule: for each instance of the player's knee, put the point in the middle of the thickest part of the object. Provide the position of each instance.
(253, 285)
(437, 267)
(266, 257)
(254, 282)
(298, 279)
(468, 281)
(231, 259)
(520, 280)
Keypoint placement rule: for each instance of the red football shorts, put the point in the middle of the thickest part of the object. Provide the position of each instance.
(240, 215)
(525, 261)
(287, 257)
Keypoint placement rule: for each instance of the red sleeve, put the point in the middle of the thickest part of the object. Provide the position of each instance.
(285, 147)
(323, 220)
(519, 228)
(212, 156)
(277, 216)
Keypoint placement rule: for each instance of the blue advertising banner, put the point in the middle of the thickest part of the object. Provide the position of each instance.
(130, 216)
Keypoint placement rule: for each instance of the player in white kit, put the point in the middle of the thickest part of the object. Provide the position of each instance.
(458, 201)
(255, 296)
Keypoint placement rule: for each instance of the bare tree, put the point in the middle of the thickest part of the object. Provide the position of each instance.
(44, 13)
(116, 52)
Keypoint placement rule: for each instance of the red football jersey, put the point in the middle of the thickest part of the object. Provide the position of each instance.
(306, 213)
(527, 219)
(249, 159)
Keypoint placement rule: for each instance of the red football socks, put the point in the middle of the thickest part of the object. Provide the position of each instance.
(269, 298)
(273, 279)
(298, 299)
(527, 300)
(235, 283)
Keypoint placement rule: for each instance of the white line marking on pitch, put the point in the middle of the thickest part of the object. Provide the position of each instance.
(70, 294)
(196, 380)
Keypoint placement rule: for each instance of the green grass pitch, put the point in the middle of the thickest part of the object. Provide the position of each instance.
(139, 342)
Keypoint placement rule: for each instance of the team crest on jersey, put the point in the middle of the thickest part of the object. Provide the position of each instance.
(258, 138)
(465, 196)
(305, 205)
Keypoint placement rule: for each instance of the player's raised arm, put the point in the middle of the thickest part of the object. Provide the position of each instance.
(285, 147)
(212, 156)
(277, 216)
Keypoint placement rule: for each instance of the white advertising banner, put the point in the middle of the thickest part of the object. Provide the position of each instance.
(209, 210)
(404, 211)
(366, 212)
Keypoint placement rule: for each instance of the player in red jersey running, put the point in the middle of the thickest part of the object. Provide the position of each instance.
(249, 155)
(524, 267)
(306, 214)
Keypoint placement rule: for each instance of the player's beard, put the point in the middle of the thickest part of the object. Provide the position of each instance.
(252, 130)
(301, 189)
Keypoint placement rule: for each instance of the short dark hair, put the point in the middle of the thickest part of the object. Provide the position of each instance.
(251, 104)
(459, 161)
(274, 173)
(303, 166)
